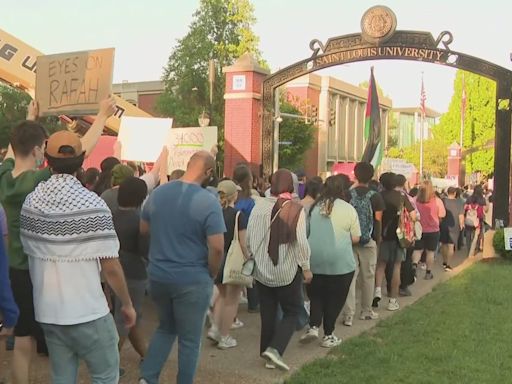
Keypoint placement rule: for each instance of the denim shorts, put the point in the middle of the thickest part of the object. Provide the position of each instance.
(95, 342)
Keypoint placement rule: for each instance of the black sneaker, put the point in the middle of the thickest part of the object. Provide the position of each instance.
(375, 303)
(405, 292)
(447, 268)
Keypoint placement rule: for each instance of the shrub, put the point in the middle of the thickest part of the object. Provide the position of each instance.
(498, 243)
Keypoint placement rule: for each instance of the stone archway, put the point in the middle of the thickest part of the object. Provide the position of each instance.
(379, 40)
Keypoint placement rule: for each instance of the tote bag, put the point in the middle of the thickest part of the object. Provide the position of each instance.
(235, 261)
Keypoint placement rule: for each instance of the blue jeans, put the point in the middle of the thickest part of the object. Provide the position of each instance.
(95, 342)
(182, 311)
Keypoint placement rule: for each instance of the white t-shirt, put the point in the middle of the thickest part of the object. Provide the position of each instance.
(67, 293)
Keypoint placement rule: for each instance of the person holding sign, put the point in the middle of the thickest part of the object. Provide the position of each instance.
(19, 176)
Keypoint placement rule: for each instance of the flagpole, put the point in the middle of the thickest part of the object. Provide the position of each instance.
(421, 147)
(462, 112)
(422, 122)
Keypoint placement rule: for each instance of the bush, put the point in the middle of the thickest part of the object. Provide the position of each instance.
(498, 243)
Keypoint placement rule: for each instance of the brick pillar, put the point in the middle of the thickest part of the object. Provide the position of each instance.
(454, 163)
(243, 113)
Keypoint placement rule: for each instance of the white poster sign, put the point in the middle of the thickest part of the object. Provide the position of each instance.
(398, 166)
(239, 83)
(508, 238)
(184, 142)
(142, 138)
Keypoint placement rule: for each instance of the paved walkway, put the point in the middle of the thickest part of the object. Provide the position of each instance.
(242, 364)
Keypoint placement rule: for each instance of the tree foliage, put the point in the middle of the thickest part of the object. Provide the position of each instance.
(435, 156)
(296, 138)
(479, 124)
(220, 30)
(13, 108)
(478, 130)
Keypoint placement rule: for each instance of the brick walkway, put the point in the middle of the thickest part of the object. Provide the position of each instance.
(242, 364)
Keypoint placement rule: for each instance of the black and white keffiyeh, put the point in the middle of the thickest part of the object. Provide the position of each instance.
(63, 221)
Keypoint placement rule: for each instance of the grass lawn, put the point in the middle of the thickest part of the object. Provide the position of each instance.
(460, 333)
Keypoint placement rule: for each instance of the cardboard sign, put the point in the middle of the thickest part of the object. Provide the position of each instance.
(74, 83)
(142, 138)
(184, 142)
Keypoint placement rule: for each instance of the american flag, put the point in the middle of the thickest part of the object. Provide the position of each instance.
(463, 101)
(423, 99)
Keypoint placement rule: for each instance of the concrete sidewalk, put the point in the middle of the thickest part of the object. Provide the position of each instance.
(242, 364)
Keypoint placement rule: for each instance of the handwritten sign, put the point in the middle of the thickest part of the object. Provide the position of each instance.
(142, 138)
(73, 83)
(184, 142)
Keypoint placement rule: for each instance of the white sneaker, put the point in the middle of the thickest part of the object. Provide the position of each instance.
(393, 305)
(348, 321)
(273, 357)
(423, 266)
(214, 335)
(370, 315)
(237, 324)
(310, 335)
(330, 341)
(227, 342)
(142, 381)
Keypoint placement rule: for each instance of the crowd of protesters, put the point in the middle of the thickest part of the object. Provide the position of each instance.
(84, 247)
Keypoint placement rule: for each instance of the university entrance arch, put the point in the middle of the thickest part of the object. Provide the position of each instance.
(379, 40)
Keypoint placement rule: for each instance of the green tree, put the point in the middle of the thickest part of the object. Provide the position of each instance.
(295, 138)
(13, 108)
(221, 30)
(479, 121)
(435, 156)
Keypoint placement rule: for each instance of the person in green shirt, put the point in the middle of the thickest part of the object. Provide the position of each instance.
(19, 176)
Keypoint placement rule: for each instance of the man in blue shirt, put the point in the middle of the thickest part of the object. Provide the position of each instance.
(186, 228)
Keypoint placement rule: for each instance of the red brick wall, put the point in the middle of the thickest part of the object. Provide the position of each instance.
(148, 103)
(242, 126)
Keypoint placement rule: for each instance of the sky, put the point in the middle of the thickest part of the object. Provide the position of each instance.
(144, 32)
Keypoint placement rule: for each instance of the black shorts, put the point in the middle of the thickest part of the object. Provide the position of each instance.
(445, 237)
(428, 242)
(22, 290)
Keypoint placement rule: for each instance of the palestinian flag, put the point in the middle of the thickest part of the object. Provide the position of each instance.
(372, 128)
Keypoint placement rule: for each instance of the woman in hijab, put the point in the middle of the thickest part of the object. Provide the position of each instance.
(277, 240)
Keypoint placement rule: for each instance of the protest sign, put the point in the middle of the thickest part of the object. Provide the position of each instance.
(398, 166)
(74, 83)
(184, 142)
(142, 138)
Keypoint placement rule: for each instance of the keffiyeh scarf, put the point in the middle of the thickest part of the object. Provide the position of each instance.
(62, 221)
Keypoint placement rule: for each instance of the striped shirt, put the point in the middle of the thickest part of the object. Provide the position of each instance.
(291, 256)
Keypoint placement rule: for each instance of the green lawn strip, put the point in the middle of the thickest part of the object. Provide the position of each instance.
(459, 333)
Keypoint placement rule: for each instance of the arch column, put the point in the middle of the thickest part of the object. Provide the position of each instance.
(243, 113)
